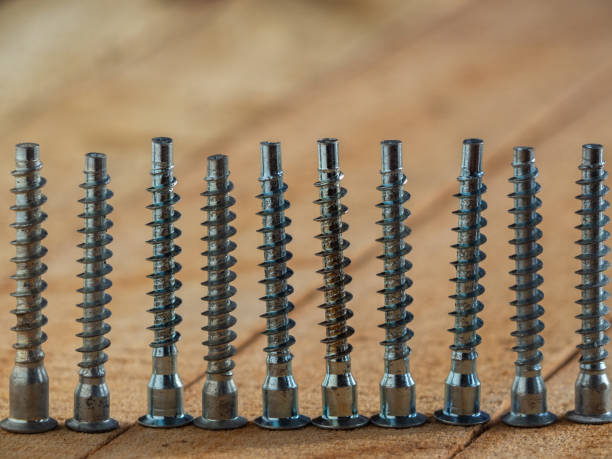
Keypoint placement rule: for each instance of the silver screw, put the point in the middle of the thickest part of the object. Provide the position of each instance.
(219, 394)
(280, 391)
(165, 389)
(92, 397)
(528, 395)
(592, 390)
(397, 388)
(29, 382)
(462, 388)
(339, 388)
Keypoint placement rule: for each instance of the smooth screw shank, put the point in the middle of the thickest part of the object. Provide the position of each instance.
(339, 388)
(165, 389)
(29, 382)
(92, 397)
(528, 395)
(462, 388)
(219, 394)
(397, 388)
(592, 389)
(280, 391)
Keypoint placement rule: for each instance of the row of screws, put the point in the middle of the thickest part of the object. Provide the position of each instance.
(29, 386)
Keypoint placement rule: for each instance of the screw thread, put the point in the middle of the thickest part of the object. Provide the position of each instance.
(526, 253)
(276, 256)
(29, 254)
(165, 249)
(218, 268)
(95, 265)
(593, 265)
(469, 254)
(333, 245)
(395, 249)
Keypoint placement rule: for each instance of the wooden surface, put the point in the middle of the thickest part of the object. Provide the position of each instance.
(219, 77)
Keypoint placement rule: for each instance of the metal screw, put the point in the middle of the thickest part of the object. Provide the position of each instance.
(462, 388)
(165, 389)
(339, 388)
(280, 391)
(528, 408)
(592, 390)
(397, 388)
(219, 394)
(92, 397)
(29, 382)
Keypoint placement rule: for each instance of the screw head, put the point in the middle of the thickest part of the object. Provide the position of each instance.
(399, 422)
(296, 422)
(462, 419)
(587, 419)
(92, 427)
(224, 424)
(345, 422)
(165, 422)
(529, 420)
(28, 427)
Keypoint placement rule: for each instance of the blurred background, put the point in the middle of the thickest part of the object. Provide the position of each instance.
(221, 76)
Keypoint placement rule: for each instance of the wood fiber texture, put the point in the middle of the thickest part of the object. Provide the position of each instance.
(219, 77)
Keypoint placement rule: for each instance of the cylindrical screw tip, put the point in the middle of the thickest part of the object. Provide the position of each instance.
(217, 166)
(161, 152)
(391, 158)
(592, 154)
(524, 154)
(328, 154)
(95, 162)
(270, 159)
(471, 159)
(27, 151)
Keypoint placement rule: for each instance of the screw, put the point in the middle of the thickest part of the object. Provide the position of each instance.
(280, 391)
(339, 388)
(29, 382)
(165, 389)
(397, 388)
(462, 389)
(219, 394)
(92, 397)
(528, 408)
(592, 389)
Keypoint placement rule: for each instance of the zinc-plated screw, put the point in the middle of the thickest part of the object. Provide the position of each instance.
(29, 382)
(219, 394)
(339, 388)
(92, 397)
(528, 407)
(592, 390)
(397, 388)
(165, 389)
(462, 388)
(280, 391)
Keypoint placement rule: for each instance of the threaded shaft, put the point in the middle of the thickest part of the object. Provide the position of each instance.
(95, 265)
(395, 249)
(333, 245)
(165, 249)
(276, 256)
(29, 254)
(339, 388)
(469, 255)
(165, 389)
(526, 252)
(92, 397)
(218, 268)
(462, 387)
(593, 265)
(219, 394)
(29, 382)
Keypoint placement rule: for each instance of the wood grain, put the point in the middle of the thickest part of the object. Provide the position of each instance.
(220, 77)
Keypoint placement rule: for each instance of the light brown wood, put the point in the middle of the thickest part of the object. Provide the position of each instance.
(220, 77)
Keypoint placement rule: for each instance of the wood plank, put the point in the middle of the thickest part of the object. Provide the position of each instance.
(430, 344)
